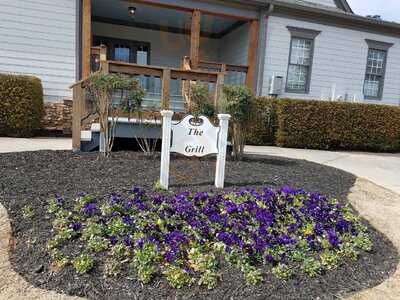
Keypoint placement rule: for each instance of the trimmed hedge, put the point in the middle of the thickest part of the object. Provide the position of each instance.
(263, 122)
(328, 125)
(338, 125)
(21, 105)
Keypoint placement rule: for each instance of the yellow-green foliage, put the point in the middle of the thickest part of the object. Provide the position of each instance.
(262, 125)
(338, 125)
(21, 105)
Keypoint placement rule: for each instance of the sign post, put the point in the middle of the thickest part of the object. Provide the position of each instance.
(194, 137)
(221, 156)
(165, 148)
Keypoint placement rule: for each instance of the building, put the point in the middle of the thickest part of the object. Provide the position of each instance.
(315, 49)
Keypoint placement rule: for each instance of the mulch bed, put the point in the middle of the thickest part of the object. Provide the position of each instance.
(31, 178)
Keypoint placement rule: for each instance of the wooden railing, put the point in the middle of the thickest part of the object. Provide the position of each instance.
(209, 72)
(83, 108)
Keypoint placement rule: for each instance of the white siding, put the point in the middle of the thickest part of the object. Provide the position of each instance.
(167, 49)
(340, 57)
(38, 37)
(234, 46)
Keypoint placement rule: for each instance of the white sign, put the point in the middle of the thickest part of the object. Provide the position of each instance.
(194, 137)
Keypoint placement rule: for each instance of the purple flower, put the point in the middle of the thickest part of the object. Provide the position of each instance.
(270, 259)
(113, 239)
(333, 238)
(59, 199)
(139, 243)
(285, 240)
(169, 256)
(230, 207)
(292, 228)
(225, 238)
(343, 225)
(128, 241)
(75, 226)
(174, 238)
(264, 216)
(127, 220)
(89, 209)
(318, 229)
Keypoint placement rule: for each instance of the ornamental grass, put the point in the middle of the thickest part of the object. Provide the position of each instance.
(187, 237)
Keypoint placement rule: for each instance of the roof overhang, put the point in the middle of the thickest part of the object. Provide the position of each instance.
(336, 17)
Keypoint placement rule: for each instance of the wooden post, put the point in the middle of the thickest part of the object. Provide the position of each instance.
(103, 52)
(78, 98)
(86, 37)
(165, 89)
(252, 54)
(195, 39)
(219, 85)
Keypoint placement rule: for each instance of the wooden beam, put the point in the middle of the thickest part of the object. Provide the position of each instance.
(195, 39)
(252, 54)
(86, 37)
(165, 90)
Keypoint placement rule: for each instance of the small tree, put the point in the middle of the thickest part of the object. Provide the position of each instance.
(201, 101)
(236, 102)
(111, 94)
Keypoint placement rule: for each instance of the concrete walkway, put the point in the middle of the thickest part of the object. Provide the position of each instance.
(34, 144)
(382, 169)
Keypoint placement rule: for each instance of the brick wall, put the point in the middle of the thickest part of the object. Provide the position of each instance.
(58, 116)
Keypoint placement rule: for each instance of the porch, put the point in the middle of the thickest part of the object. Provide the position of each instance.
(167, 48)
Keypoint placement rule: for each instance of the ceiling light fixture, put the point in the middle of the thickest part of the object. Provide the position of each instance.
(132, 11)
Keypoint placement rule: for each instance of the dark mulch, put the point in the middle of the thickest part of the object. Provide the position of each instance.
(31, 178)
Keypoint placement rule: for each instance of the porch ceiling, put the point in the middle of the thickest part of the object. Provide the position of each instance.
(116, 11)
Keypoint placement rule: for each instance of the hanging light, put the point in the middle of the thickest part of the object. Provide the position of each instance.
(132, 11)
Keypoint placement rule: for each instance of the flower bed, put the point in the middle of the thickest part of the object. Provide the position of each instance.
(186, 237)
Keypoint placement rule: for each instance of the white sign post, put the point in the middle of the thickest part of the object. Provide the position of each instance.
(194, 137)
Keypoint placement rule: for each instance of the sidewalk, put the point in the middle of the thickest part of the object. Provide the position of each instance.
(34, 144)
(382, 169)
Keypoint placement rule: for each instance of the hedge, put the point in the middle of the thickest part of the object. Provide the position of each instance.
(21, 105)
(263, 124)
(332, 125)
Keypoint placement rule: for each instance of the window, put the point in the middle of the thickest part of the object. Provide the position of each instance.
(122, 53)
(300, 59)
(125, 50)
(375, 73)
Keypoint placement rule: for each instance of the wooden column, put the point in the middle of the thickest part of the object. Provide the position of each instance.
(86, 37)
(165, 89)
(195, 39)
(219, 85)
(252, 54)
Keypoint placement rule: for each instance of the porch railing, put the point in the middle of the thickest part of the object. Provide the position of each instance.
(163, 86)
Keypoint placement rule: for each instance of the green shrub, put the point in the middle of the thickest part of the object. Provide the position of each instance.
(338, 125)
(236, 101)
(262, 126)
(21, 105)
(201, 101)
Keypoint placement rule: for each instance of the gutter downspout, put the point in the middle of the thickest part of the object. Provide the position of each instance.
(262, 47)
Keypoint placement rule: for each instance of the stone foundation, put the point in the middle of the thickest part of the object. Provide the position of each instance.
(58, 117)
